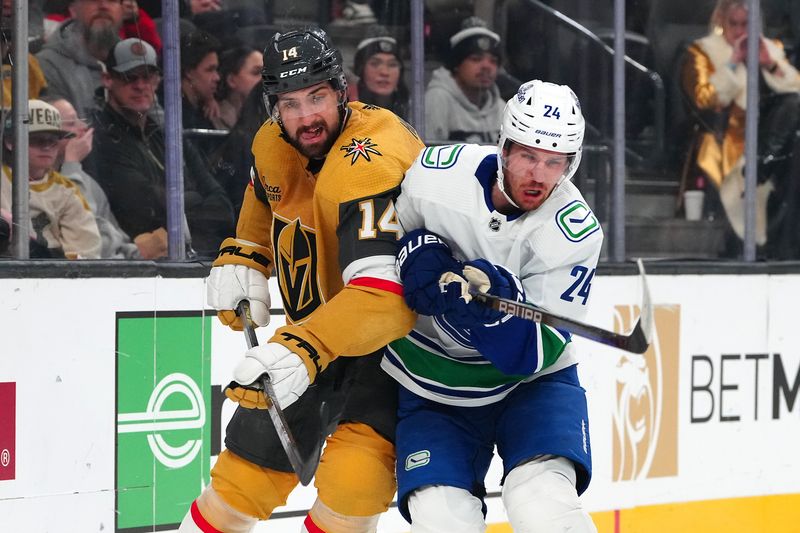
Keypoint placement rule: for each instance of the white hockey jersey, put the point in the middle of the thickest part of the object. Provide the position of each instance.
(553, 250)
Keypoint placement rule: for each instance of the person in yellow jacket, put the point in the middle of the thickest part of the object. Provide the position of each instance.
(319, 215)
(714, 78)
(36, 82)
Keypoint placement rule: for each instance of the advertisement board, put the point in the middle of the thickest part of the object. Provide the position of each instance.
(163, 416)
(112, 412)
(8, 430)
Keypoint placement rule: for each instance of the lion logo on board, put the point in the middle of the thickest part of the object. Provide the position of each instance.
(645, 418)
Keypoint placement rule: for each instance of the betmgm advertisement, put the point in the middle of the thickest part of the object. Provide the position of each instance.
(163, 417)
(114, 423)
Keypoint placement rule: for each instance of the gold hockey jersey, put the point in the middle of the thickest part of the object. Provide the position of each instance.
(333, 235)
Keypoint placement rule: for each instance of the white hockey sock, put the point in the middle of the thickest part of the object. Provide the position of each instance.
(228, 518)
(326, 520)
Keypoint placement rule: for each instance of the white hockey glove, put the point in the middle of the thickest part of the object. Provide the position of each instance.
(286, 371)
(230, 284)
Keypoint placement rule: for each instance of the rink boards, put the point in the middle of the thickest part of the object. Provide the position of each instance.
(111, 411)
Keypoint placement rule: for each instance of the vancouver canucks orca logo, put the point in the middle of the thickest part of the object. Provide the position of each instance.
(359, 148)
(296, 265)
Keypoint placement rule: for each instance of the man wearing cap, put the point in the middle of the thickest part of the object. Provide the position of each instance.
(130, 159)
(463, 102)
(71, 58)
(60, 218)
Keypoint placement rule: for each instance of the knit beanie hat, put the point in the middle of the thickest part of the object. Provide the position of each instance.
(473, 38)
(377, 40)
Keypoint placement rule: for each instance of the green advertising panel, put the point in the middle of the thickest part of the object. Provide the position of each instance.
(163, 417)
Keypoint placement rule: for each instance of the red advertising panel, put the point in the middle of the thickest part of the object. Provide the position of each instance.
(8, 409)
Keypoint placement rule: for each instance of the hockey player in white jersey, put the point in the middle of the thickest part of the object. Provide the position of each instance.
(509, 222)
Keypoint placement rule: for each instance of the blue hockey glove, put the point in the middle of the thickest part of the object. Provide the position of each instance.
(421, 261)
(481, 276)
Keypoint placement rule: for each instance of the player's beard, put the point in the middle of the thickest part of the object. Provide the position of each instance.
(314, 151)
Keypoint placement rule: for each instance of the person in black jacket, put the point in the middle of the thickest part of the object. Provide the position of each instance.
(233, 161)
(129, 146)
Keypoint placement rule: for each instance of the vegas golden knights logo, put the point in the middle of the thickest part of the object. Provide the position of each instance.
(645, 432)
(296, 265)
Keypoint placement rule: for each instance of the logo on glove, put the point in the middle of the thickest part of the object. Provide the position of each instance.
(411, 246)
(303, 344)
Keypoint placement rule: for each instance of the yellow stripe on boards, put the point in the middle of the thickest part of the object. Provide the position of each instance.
(759, 514)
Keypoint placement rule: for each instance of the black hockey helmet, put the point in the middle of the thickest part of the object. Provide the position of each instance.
(298, 59)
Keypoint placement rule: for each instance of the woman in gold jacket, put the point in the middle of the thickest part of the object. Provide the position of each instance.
(714, 78)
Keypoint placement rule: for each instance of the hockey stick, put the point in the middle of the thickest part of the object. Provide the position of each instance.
(636, 342)
(303, 468)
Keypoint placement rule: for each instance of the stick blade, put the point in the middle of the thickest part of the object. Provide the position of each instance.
(309, 467)
(306, 474)
(637, 341)
(642, 334)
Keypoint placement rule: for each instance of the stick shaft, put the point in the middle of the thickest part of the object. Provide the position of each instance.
(303, 470)
(636, 342)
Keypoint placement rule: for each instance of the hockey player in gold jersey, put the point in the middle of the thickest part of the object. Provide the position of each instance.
(319, 215)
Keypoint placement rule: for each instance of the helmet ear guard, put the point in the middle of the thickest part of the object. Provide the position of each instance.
(542, 115)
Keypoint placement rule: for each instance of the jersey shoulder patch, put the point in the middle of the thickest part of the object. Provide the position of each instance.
(441, 157)
(576, 221)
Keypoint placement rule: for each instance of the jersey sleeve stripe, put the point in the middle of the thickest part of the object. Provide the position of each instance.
(377, 283)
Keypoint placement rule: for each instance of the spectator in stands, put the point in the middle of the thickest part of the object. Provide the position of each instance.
(353, 12)
(239, 71)
(116, 244)
(379, 69)
(36, 80)
(199, 80)
(714, 77)
(233, 161)
(71, 57)
(35, 21)
(130, 149)
(462, 102)
(55, 12)
(60, 217)
(185, 7)
(137, 23)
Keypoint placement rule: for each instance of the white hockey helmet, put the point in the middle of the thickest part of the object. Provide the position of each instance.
(543, 115)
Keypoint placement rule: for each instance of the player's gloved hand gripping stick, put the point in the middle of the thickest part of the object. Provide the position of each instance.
(304, 468)
(635, 342)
